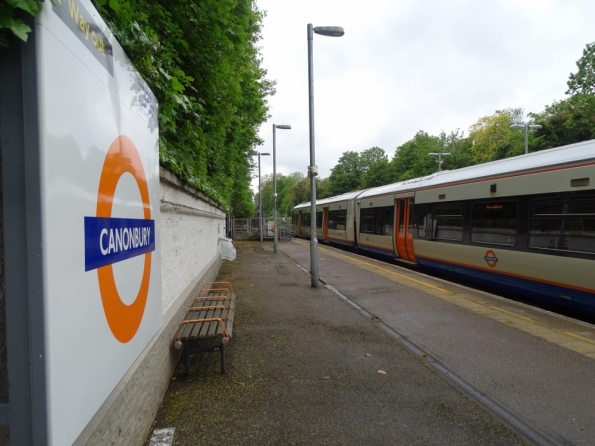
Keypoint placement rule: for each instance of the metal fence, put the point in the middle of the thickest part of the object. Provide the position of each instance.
(248, 229)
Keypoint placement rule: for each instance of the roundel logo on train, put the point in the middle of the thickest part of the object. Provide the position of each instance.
(109, 240)
(490, 258)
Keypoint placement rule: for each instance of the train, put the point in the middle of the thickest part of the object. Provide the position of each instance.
(524, 224)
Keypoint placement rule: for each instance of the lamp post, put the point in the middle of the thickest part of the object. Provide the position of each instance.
(526, 126)
(260, 196)
(439, 155)
(331, 31)
(275, 127)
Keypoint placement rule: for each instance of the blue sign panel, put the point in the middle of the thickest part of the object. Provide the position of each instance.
(111, 240)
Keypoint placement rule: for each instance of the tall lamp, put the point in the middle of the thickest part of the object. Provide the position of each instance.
(526, 126)
(282, 127)
(439, 155)
(260, 196)
(331, 31)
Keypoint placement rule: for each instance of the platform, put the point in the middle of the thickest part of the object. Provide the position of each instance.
(535, 367)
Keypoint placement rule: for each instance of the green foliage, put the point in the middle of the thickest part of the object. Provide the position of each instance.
(376, 168)
(345, 176)
(493, 138)
(412, 159)
(583, 81)
(459, 148)
(291, 190)
(201, 61)
(566, 122)
(356, 171)
(11, 23)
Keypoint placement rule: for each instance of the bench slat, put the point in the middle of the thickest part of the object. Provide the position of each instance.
(215, 298)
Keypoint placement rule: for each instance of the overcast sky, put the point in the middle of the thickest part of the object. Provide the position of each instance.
(410, 65)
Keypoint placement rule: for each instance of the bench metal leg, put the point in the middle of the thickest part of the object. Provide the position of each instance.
(222, 350)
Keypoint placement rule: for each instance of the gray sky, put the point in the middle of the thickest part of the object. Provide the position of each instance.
(410, 65)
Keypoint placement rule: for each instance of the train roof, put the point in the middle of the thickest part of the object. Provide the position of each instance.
(544, 159)
(343, 197)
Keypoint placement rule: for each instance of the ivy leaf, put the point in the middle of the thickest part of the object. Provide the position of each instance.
(176, 85)
(115, 5)
(31, 6)
(18, 27)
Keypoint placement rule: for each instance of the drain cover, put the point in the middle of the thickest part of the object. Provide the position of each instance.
(162, 437)
(282, 269)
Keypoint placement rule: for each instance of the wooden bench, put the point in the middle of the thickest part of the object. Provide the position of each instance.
(208, 323)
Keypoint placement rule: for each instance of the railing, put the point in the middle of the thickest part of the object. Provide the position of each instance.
(248, 229)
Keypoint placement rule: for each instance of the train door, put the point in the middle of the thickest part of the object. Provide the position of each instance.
(325, 224)
(403, 228)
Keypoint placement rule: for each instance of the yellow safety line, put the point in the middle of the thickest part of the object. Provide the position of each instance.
(386, 270)
(579, 337)
(509, 312)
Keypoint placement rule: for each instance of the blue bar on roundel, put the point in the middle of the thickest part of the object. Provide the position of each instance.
(111, 240)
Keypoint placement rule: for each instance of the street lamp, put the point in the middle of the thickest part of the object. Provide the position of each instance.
(260, 196)
(526, 126)
(439, 155)
(331, 31)
(275, 127)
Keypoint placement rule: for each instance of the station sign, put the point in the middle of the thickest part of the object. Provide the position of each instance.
(100, 213)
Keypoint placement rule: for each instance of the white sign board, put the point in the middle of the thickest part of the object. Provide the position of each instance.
(100, 213)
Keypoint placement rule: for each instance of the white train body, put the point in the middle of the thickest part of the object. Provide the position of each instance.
(524, 224)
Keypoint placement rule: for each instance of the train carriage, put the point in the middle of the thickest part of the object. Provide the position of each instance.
(335, 220)
(524, 224)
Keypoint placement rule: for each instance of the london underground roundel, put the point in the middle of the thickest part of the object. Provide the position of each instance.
(491, 258)
(110, 240)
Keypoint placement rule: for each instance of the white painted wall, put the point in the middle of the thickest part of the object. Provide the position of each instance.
(190, 230)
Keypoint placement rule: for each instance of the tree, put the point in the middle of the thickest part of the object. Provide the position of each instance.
(374, 168)
(566, 122)
(493, 138)
(284, 186)
(300, 192)
(459, 148)
(412, 159)
(583, 81)
(378, 174)
(346, 175)
(369, 157)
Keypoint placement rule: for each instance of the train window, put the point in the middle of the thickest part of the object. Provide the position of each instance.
(565, 226)
(411, 221)
(377, 221)
(319, 219)
(337, 219)
(585, 207)
(367, 218)
(448, 222)
(306, 220)
(294, 218)
(494, 222)
(421, 217)
(387, 221)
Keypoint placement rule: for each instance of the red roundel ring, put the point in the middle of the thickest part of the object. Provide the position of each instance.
(491, 258)
(123, 320)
